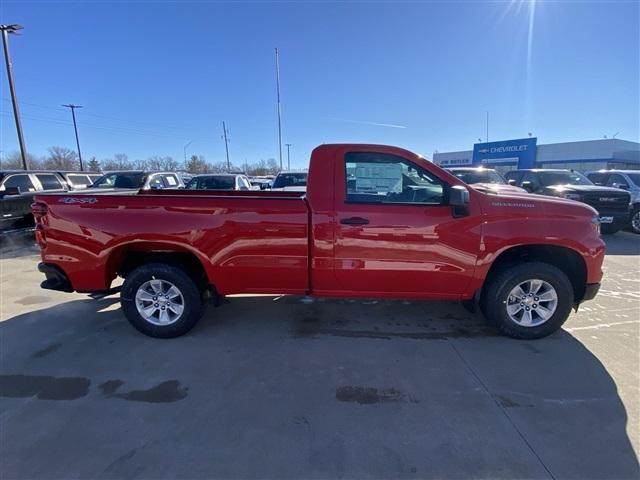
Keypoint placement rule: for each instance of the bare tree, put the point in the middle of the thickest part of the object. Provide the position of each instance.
(13, 161)
(119, 162)
(61, 158)
(197, 164)
(162, 163)
(93, 165)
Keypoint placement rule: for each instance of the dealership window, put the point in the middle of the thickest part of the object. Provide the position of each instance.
(386, 178)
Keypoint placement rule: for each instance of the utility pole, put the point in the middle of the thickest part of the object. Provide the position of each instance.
(226, 145)
(288, 145)
(73, 107)
(279, 107)
(487, 138)
(185, 151)
(6, 30)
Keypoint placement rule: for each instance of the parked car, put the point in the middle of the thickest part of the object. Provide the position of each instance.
(262, 183)
(17, 189)
(484, 178)
(219, 181)
(291, 181)
(612, 204)
(375, 221)
(628, 180)
(138, 180)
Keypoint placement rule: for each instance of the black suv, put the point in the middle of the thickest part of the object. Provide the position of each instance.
(612, 204)
(18, 187)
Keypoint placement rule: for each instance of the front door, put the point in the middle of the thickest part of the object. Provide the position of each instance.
(394, 233)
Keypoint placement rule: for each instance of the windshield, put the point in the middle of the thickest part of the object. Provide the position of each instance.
(120, 180)
(479, 176)
(635, 178)
(219, 182)
(563, 178)
(290, 180)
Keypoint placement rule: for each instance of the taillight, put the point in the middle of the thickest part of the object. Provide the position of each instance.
(39, 210)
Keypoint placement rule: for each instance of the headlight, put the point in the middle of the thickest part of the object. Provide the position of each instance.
(572, 196)
(595, 223)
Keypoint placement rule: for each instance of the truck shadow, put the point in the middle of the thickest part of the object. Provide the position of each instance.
(622, 243)
(276, 365)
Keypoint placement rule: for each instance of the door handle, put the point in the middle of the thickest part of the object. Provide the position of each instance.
(354, 221)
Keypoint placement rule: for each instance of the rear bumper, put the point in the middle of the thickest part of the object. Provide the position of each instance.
(590, 291)
(56, 278)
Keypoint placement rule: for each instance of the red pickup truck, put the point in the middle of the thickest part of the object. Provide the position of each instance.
(375, 221)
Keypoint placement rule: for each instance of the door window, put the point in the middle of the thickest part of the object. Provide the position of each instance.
(598, 178)
(386, 178)
(22, 181)
(171, 181)
(49, 181)
(619, 179)
(156, 182)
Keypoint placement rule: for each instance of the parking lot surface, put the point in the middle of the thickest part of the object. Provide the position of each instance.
(277, 387)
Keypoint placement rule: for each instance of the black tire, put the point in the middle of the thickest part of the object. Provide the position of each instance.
(609, 229)
(634, 222)
(496, 293)
(192, 300)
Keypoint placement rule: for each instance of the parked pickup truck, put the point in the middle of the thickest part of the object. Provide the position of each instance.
(375, 221)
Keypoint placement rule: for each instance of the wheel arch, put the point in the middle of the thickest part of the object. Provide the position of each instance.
(568, 260)
(126, 257)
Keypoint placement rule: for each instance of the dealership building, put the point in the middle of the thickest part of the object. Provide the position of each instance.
(526, 153)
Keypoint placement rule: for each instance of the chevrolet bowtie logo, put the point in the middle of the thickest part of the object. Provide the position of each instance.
(483, 150)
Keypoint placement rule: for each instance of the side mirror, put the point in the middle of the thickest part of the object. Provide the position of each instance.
(11, 191)
(156, 187)
(458, 196)
(528, 186)
(243, 188)
(621, 186)
(511, 182)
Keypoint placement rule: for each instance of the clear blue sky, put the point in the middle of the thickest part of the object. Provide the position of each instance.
(154, 75)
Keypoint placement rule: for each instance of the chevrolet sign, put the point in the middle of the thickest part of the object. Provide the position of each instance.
(521, 152)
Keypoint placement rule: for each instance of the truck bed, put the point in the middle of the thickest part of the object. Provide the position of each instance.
(244, 240)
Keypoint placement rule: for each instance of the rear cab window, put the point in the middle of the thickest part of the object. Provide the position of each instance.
(386, 178)
(77, 180)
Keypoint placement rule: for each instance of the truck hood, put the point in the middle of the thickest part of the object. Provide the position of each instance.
(536, 204)
(586, 189)
(497, 188)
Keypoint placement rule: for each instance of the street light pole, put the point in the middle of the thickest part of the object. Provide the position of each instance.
(73, 107)
(185, 151)
(226, 146)
(288, 145)
(279, 107)
(6, 30)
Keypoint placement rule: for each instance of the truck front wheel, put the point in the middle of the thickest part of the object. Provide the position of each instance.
(161, 300)
(529, 300)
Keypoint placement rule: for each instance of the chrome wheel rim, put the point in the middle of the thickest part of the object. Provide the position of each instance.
(532, 303)
(635, 222)
(159, 302)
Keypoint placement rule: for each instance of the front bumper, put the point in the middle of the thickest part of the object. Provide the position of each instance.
(590, 291)
(56, 278)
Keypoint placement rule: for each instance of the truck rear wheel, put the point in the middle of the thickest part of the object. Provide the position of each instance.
(161, 300)
(529, 300)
